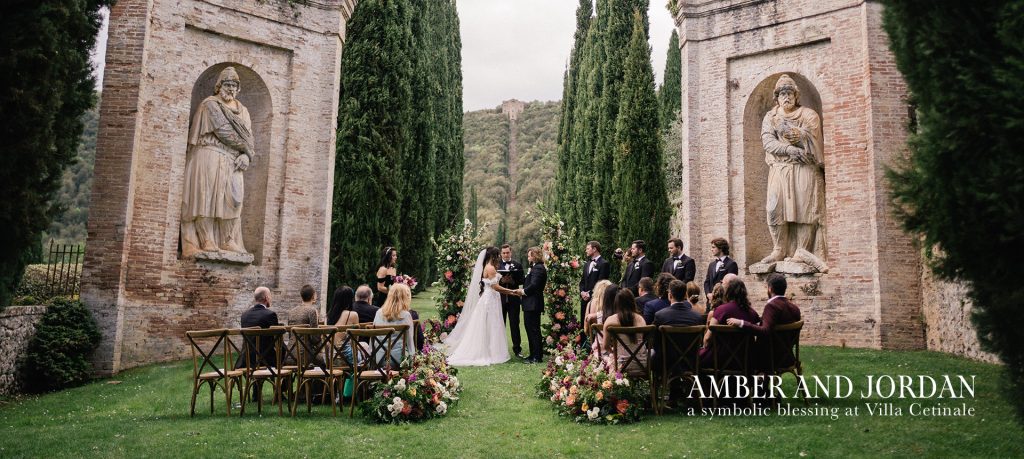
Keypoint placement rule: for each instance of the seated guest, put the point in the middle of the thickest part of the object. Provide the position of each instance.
(777, 311)
(419, 340)
(693, 296)
(306, 314)
(341, 313)
(717, 299)
(645, 288)
(396, 312)
(595, 309)
(362, 306)
(680, 313)
(661, 288)
(624, 315)
(259, 315)
(603, 308)
(737, 306)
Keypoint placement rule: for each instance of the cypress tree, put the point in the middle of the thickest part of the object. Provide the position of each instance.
(670, 94)
(471, 211)
(374, 116)
(450, 156)
(565, 177)
(642, 203)
(967, 86)
(47, 85)
(588, 100)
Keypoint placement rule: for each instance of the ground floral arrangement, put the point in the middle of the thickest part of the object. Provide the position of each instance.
(456, 253)
(583, 388)
(563, 265)
(425, 388)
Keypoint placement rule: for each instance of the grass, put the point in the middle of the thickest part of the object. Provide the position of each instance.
(499, 416)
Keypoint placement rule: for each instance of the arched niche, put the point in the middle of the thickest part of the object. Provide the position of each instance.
(255, 95)
(755, 169)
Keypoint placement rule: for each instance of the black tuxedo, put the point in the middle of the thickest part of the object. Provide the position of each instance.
(636, 270)
(510, 304)
(685, 270)
(715, 276)
(258, 316)
(365, 311)
(593, 272)
(533, 307)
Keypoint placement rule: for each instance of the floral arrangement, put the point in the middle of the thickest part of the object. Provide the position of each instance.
(583, 388)
(425, 388)
(456, 252)
(407, 280)
(563, 266)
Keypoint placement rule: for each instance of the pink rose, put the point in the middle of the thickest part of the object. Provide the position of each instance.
(574, 263)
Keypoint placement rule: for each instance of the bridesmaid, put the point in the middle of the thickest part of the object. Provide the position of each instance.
(386, 273)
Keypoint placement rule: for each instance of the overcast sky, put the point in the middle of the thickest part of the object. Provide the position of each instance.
(514, 49)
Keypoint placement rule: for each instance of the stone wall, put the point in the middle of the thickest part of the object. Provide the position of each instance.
(947, 319)
(17, 327)
(732, 53)
(160, 58)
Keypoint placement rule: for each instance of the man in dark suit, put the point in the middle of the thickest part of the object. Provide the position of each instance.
(596, 270)
(363, 306)
(680, 313)
(720, 266)
(639, 268)
(533, 303)
(678, 264)
(512, 276)
(645, 293)
(259, 315)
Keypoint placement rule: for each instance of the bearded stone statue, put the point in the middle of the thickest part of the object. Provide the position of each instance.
(220, 149)
(792, 139)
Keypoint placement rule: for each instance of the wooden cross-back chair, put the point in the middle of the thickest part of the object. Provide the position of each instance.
(678, 355)
(638, 354)
(208, 346)
(783, 342)
(367, 368)
(730, 352)
(261, 368)
(312, 343)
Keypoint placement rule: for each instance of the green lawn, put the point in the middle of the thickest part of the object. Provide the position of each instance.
(147, 415)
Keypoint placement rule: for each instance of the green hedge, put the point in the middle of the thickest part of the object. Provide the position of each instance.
(58, 355)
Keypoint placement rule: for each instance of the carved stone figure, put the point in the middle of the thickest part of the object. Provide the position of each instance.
(221, 147)
(791, 135)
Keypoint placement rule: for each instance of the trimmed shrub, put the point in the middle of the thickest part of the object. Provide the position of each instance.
(58, 355)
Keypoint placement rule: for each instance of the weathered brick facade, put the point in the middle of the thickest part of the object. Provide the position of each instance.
(733, 51)
(161, 58)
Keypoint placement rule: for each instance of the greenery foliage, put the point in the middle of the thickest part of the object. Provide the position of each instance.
(563, 265)
(47, 85)
(670, 94)
(961, 189)
(583, 388)
(456, 253)
(58, 355)
(399, 159)
(425, 388)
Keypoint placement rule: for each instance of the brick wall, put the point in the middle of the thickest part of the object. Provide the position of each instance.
(142, 294)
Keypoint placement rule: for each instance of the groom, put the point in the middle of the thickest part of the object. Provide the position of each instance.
(533, 302)
(512, 278)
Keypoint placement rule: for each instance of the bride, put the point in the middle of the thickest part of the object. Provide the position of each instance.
(479, 336)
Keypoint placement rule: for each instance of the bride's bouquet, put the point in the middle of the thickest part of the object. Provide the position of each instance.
(407, 280)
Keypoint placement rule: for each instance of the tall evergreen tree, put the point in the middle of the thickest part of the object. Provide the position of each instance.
(565, 178)
(47, 85)
(374, 119)
(450, 156)
(642, 202)
(967, 86)
(585, 117)
(471, 211)
(670, 93)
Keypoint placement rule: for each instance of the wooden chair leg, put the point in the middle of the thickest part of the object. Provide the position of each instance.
(195, 391)
(212, 387)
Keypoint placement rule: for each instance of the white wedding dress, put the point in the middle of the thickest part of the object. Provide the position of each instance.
(479, 337)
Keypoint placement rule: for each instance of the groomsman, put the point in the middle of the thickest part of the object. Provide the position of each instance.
(596, 270)
(533, 303)
(678, 264)
(512, 276)
(720, 266)
(639, 268)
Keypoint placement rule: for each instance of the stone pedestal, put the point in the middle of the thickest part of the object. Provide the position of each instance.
(162, 60)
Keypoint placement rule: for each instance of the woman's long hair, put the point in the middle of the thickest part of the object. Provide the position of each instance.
(597, 299)
(661, 285)
(491, 254)
(340, 302)
(717, 297)
(737, 291)
(385, 258)
(608, 301)
(625, 306)
(399, 297)
(692, 292)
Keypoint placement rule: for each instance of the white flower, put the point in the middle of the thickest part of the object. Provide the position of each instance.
(569, 367)
(556, 327)
(454, 382)
(449, 257)
(441, 408)
(593, 413)
(558, 361)
(621, 382)
(396, 408)
(444, 336)
(400, 385)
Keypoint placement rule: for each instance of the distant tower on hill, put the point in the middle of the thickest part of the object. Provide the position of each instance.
(512, 108)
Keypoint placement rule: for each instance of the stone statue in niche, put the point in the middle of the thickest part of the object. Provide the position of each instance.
(220, 148)
(792, 139)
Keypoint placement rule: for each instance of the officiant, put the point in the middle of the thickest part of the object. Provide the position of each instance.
(512, 277)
